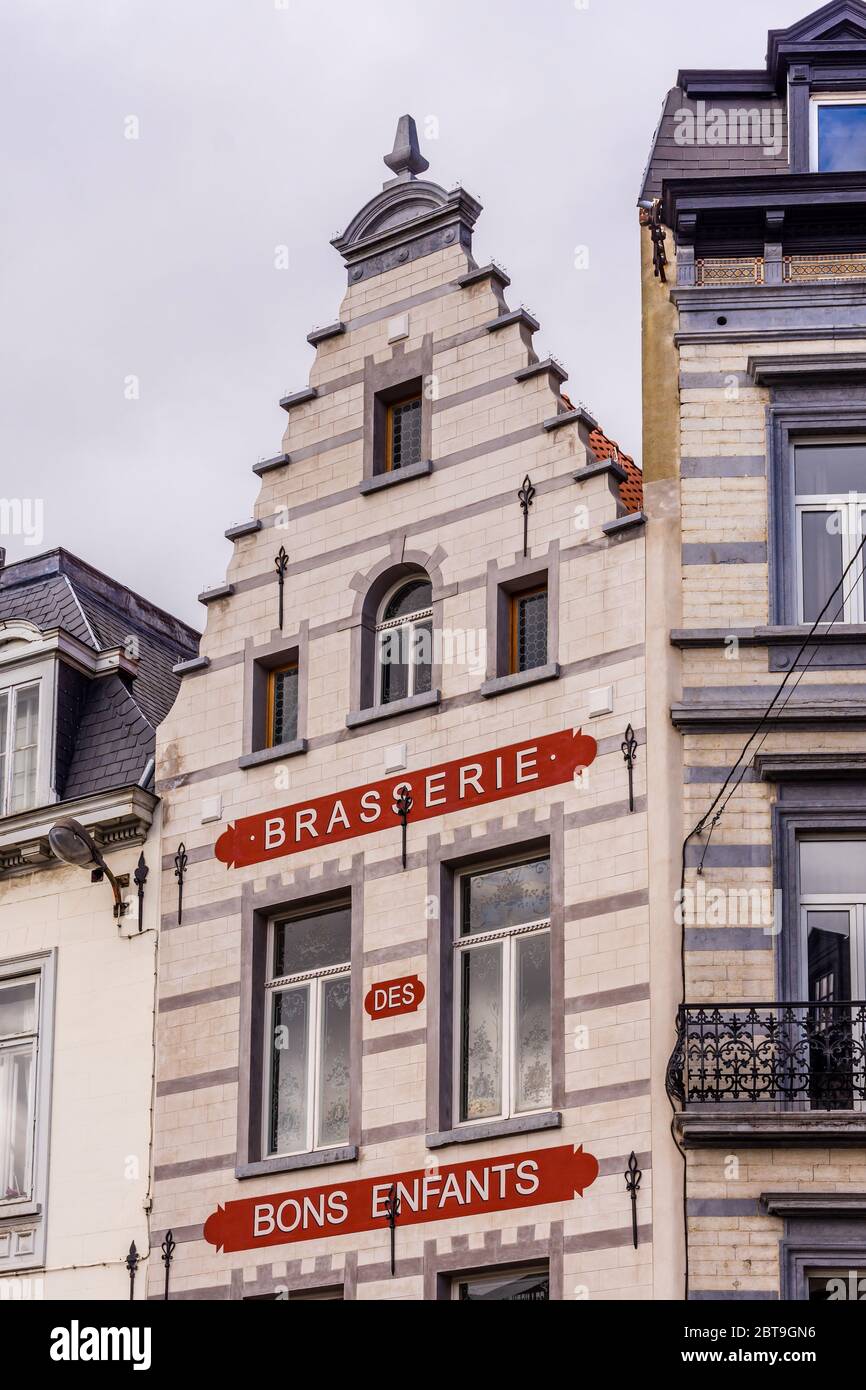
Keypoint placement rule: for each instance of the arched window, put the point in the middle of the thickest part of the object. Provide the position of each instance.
(404, 641)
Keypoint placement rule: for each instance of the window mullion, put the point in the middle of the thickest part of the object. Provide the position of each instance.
(509, 1023)
(313, 1045)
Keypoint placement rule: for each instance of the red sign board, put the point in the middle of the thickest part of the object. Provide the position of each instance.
(393, 997)
(474, 1188)
(492, 776)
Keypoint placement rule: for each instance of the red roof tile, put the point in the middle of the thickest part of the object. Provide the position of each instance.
(631, 489)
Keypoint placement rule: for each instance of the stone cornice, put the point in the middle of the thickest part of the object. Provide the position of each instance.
(115, 818)
(801, 369)
(814, 1203)
(794, 1129)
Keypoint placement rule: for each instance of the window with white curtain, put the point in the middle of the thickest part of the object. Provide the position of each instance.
(19, 1035)
(502, 991)
(830, 505)
(19, 747)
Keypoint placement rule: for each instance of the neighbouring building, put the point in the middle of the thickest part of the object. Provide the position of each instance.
(403, 1003)
(85, 677)
(754, 308)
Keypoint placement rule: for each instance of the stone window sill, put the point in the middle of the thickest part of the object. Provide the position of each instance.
(495, 1129)
(319, 1158)
(397, 475)
(357, 718)
(273, 755)
(519, 680)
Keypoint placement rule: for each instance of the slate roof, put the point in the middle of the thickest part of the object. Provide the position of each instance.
(116, 717)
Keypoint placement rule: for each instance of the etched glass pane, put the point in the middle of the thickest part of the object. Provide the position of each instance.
(481, 1033)
(24, 749)
(422, 656)
(406, 433)
(822, 562)
(532, 1022)
(289, 1058)
(16, 1114)
(841, 137)
(530, 1287)
(506, 897)
(334, 1083)
(312, 943)
(833, 866)
(531, 631)
(414, 597)
(17, 1007)
(829, 470)
(284, 728)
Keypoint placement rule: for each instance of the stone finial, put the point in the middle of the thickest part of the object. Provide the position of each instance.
(406, 159)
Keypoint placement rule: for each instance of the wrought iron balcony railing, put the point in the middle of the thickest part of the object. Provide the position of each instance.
(809, 1055)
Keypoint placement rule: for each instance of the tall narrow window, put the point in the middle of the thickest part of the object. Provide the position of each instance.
(19, 748)
(403, 433)
(404, 641)
(283, 705)
(502, 989)
(528, 632)
(833, 944)
(830, 503)
(308, 1032)
(19, 1012)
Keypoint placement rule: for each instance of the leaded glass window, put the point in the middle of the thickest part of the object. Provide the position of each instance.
(308, 1010)
(404, 434)
(502, 991)
(404, 642)
(283, 706)
(528, 630)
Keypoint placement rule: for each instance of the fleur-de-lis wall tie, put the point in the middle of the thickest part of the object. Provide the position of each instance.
(168, 1248)
(629, 753)
(281, 564)
(402, 806)
(181, 859)
(632, 1186)
(526, 495)
(139, 878)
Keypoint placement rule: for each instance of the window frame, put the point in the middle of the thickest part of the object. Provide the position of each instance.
(271, 986)
(851, 507)
(514, 669)
(273, 673)
(11, 1044)
(410, 621)
(12, 690)
(24, 1219)
(816, 101)
(460, 945)
(415, 394)
(493, 1272)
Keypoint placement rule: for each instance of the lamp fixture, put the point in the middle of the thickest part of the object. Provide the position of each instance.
(72, 844)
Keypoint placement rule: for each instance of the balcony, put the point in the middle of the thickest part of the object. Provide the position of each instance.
(770, 1073)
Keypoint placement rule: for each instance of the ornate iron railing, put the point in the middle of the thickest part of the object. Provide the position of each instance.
(811, 1054)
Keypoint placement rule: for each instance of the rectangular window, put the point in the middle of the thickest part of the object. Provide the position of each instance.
(308, 1032)
(830, 507)
(403, 433)
(838, 132)
(283, 705)
(837, 1285)
(19, 748)
(19, 1014)
(502, 991)
(528, 630)
(515, 1285)
(832, 874)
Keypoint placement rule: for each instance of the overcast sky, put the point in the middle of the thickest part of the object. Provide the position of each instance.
(261, 124)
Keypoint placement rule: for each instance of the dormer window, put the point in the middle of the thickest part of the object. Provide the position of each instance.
(19, 747)
(838, 132)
